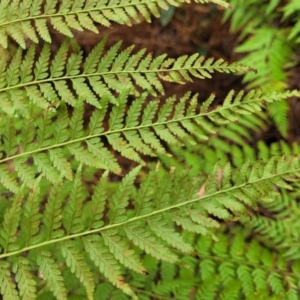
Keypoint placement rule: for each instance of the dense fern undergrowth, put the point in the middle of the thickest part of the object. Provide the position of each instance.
(270, 41)
(203, 213)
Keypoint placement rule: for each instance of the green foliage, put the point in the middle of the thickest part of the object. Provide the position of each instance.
(99, 76)
(76, 223)
(269, 43)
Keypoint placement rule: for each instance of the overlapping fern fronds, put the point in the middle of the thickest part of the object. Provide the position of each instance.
(65, 123)
(48, 142)
(236, 142)
(291, 11)
(270, 47)
(236, 266)
(258, 258)
(106, 224)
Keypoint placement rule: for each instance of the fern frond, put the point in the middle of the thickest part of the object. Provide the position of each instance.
(8, 288)
(147, 242)
(290, 10)
(264, 42)
(31, 217)
(68, 120)
(237, 142)
(166, 232)
(181, 203)
(24, 278)
(276, 230)
(246, 263)
(75, 261)
(72, 217)
(235, 266)
(31, 21)
(107, 265)
(52, 214)
(122, 252)
(87, 143)
(31, 79)
(120, 199)
(10, 225)
(96, 206)
(8, 180)
(51, 274)
(264, 55)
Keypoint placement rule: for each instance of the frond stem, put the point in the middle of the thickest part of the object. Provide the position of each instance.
(102, 74)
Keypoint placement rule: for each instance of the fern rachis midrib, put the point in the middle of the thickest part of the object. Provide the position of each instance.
(102, 74)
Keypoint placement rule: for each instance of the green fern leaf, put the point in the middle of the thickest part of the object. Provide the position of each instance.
(27, 135)
(24, 278)
(68, 120)
(107, 265)
(147, 242)
(113, 71)
(121, 251)
(104, 157)
(49, 270)
(60, 163)
(31, 217)
(76, 121)
(10, 225)
(142, 138)
(83, 156)
(10, 144)
(167, 233)
(73, 64)
(8, 288)
(78, 266)
(44, 166)
(119, 200)
(43, 129)
(92, 60)
(71, 215)
(97, 205)
(52, 214)
(59, 62)
(25, 172)
(61, 133)
(27, 65)
(41, 66)
(41, 27)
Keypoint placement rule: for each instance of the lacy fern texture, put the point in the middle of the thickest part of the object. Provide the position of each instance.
(110, 190)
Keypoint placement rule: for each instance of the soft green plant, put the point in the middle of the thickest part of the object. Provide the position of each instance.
(66, 119)
(269, 39)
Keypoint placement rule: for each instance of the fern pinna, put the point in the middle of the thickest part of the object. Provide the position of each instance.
(71, 212)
